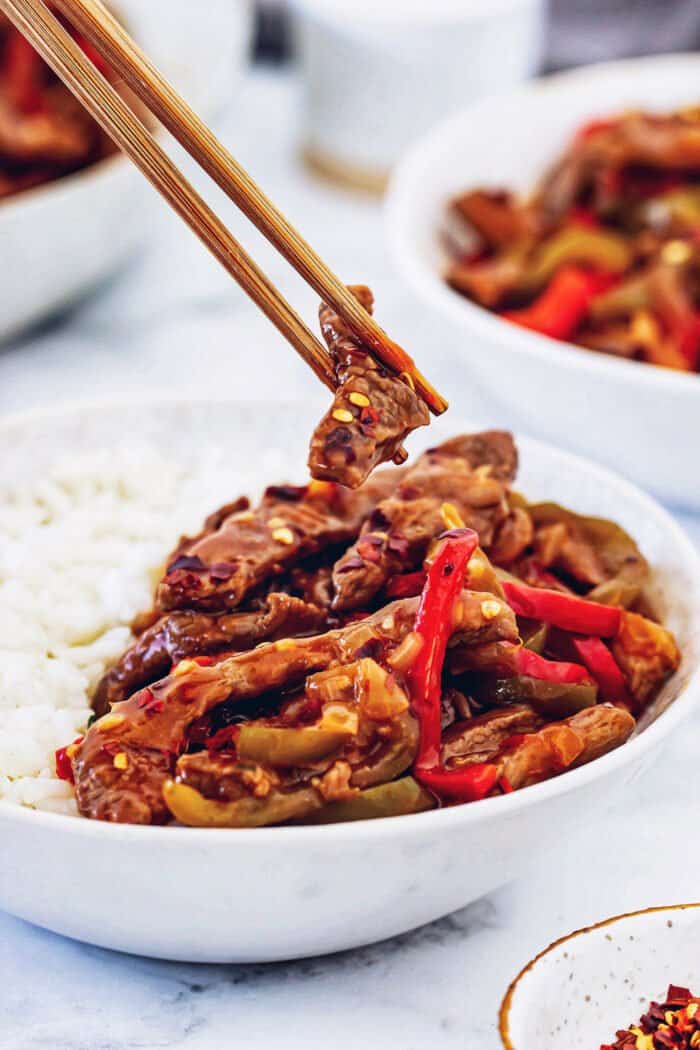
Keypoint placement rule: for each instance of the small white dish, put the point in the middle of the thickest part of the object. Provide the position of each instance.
(280, 893)
(61, 239)
(378, 73)
(641, 420)
(578, 992)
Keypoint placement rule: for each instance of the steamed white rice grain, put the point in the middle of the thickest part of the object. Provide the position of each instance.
(80, 551)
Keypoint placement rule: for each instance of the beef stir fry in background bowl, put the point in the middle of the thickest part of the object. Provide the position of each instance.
(603, 404)
(255, 893)
(605, 252)
(56, 166)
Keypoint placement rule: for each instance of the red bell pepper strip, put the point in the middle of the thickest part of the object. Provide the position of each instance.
(469, 784)
(406, 586)
(604, 668)
(527, 662)
(567, 611)
(563, 304)
(443, 586)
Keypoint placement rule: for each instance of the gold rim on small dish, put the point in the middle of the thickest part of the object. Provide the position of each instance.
(504, 1011)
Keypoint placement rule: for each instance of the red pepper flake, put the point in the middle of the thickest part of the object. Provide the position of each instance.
(223, 740)
(203, 661)
(64, 763)
(398, 544)
(369, 417)
(149, 702)
(406, 586)
(354, 562)
(222, 571)
(189, 563)
(672, 1024)
(370, 547)
(180, 579)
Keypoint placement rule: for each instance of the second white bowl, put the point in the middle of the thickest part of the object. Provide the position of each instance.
(642, 420)
(61, 239)
(280, 893)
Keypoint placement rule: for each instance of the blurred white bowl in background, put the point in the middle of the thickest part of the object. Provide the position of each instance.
(642, 420)
(59, 240)
(378, 73)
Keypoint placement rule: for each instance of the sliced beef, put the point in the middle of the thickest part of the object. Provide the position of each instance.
(187, 633)
(564, 745)
(372, 411)
(471, 472)
(153, 723)
(646, 140)
(217, 570)
(479, 739)
(122, 763)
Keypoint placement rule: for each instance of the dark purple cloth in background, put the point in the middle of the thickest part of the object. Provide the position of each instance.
(583, 31)
(579, 31)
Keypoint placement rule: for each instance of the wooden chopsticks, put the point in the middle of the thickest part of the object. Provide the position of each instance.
(107, 107)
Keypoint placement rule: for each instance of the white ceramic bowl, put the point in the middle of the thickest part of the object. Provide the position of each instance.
(280, 893)
(580, 990)
(59, 240)
(643, 420)
(378, 73)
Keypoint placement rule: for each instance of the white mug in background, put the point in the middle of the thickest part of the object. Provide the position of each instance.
(378, 73)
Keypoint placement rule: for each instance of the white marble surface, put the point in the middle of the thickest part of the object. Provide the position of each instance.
(174, 322)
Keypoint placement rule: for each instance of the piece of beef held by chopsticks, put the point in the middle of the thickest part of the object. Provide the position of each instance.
(372, 411)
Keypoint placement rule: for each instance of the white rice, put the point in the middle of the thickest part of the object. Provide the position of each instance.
(80, 551)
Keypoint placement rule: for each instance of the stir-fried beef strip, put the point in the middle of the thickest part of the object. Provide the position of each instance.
(326, 718)
(472, 473)
(372, 411)
(126, 756)
(563, 745)
(527, 751)
(669, 142)
(188, 633)
(216, 572)
(479, 738)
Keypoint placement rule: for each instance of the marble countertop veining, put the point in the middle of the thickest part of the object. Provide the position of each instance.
(171, 322)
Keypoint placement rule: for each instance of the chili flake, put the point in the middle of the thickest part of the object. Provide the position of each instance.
(671, 1025)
